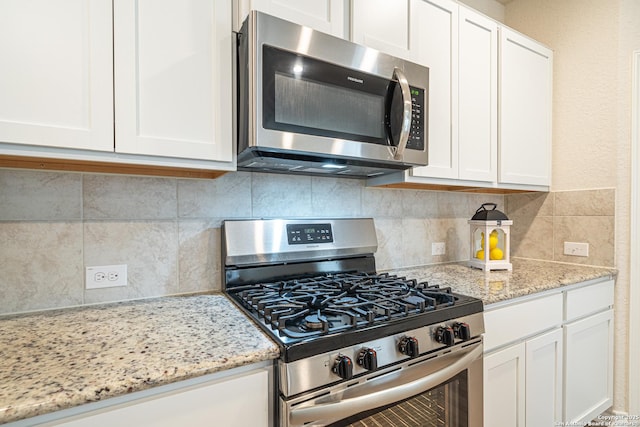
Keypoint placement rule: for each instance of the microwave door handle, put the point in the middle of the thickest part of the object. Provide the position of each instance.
(332, 412)
(406, 112)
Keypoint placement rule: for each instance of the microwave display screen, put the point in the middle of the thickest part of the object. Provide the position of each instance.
(316, 105)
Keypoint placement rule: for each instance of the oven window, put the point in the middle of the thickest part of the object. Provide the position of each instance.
(443, 406)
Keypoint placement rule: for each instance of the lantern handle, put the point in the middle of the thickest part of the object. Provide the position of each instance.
(482, 208)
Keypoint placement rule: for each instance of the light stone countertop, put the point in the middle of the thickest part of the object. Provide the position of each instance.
(58, 359)
(528, 277)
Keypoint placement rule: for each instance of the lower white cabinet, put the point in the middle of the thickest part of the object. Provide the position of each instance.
(589, 367)
(524, 383)
(559, 369)
(237, 401)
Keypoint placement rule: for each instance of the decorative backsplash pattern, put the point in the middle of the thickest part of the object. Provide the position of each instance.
(167, 230)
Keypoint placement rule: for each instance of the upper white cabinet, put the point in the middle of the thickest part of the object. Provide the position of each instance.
(328, 16)
(163, 66)
(478, 97)
(56, 78)
(525, 110)
(173, 82)
(426, 32)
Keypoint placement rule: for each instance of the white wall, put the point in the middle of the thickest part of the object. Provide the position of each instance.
(592, 41)
(490, 8)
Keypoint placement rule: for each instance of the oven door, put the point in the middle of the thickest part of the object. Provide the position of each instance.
(442, 389)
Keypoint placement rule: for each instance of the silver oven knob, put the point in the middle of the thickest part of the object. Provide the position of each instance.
(409, 346)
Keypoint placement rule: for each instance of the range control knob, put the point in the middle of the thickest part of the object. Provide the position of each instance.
(343, 367)
(409, 346)
(445, 335)
(368, 359)
(462, 330)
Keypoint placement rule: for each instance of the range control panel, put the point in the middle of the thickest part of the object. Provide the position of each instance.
(302, 234)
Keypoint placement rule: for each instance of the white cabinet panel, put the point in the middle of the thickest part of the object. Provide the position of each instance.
(525, 110)
(56, 78)
(589, 299)
(504, 391)
(543, 379)
(173, 87)
(478, 97)
(237, 402)
(384, 26)
(327, 16)
(588, 367)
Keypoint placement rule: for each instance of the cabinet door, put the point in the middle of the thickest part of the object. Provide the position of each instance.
(238, 402)
(173, 82)
(504, 387)
(478, 97)
(525, 110)
(328, 16)
(588, 388)
(56, 80)
(543, 378)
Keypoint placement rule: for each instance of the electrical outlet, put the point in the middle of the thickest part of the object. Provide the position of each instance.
(106, 276)
(576, 249)
(438, 248)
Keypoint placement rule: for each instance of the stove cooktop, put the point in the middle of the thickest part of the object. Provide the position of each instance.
(325, 312)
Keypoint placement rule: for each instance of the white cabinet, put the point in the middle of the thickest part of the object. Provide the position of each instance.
(549, 359)
(478, 97)
(588, 339)
(328, 16)
(426, 32)
(523, 364)
(56, 75)
(164, 67)
(173, 82)
(525, 110)
(237, 401)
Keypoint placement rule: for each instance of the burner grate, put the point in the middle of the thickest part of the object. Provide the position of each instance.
(311, 306)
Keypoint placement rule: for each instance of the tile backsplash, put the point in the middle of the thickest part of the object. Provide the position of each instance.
(167, 230)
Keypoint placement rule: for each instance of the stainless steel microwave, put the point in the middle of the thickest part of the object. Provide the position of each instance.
(312, 103)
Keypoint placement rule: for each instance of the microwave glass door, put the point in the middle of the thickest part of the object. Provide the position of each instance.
(309, 96)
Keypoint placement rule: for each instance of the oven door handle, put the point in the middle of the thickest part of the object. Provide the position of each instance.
(327, 413)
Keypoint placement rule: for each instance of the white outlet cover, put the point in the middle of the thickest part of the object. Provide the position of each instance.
(106, 276)
(438, 248)
(576, 249)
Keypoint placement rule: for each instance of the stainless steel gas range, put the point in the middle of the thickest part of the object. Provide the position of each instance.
(358, 348)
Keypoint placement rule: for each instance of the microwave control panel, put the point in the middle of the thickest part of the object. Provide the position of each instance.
(416, 135)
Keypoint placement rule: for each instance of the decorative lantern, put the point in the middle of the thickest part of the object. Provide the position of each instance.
(489, 239)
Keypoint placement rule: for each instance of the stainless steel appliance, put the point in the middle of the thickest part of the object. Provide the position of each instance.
(308, 102)
(358, 348)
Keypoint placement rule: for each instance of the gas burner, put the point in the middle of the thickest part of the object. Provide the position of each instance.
(323, 304)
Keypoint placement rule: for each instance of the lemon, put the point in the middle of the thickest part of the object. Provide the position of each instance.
(480, 254)
(496, 253)
(494, 233)
(482, 243)
(493, 241)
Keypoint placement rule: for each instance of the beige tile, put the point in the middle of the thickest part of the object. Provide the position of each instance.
(382, 203)
(598, 231)
(336, 197)
(35, 195)
(275, 196)
(226, 197)
(416, 242)
(525, 206)
(455, 233)
(125, 197)
(585, 203)
(41, 265)
(390, 252)
(419, 204)
(199, 256)
(532, 238)
(149, 248)
(453, 205)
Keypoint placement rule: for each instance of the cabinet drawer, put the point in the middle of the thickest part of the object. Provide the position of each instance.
(520, 320)
(589, 299)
